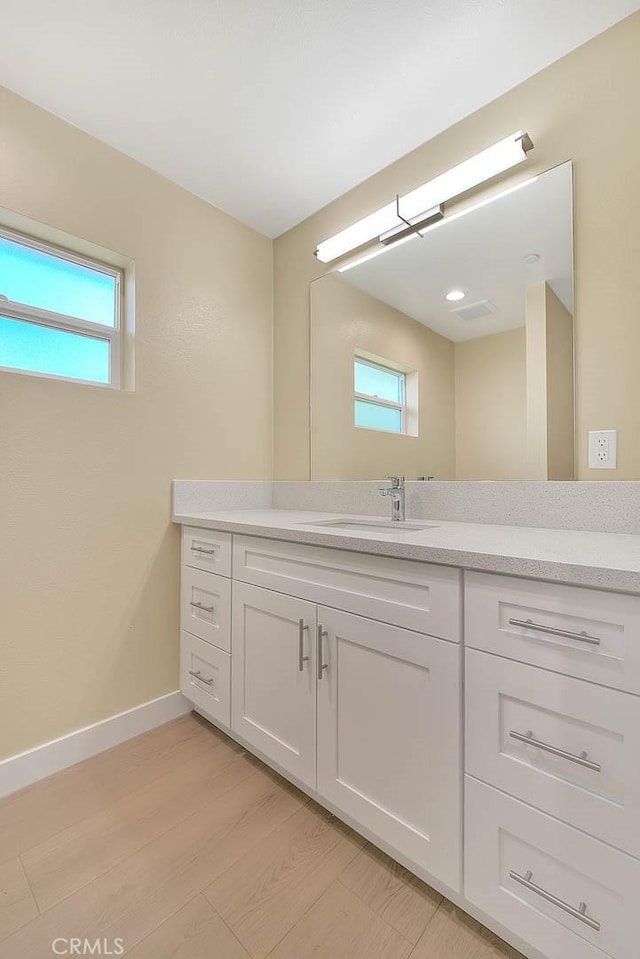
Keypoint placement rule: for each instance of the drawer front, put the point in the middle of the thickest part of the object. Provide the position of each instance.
(205, 677)
(581, 632)
(206, 549)
(401, 592)
(568, 895)
(566, 746)
(206, 606)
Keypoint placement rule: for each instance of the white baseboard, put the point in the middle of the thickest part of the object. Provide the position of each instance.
(19, 771)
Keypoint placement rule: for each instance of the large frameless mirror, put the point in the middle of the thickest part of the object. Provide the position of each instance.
(450, 356)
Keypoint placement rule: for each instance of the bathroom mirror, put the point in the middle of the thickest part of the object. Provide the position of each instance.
(450, 355)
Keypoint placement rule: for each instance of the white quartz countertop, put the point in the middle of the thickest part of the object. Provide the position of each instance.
(600, 560)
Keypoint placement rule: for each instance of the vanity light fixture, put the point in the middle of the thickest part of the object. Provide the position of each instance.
(454, 295)
(423, 206)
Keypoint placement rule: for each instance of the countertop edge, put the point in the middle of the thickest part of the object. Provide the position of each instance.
(588, 575)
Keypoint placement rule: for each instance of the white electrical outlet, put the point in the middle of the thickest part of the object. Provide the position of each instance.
(603, 449)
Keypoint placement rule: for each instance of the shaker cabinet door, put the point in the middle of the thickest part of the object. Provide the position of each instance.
(273, 678)
(389, 736)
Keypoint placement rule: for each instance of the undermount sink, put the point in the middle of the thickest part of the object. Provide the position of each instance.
(373, 526)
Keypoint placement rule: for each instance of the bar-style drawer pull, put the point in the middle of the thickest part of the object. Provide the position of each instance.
(201, 549)
(581, 759)
(205, 609)
(198, 675)
(579, 913)
(582, 637)
(302, 659)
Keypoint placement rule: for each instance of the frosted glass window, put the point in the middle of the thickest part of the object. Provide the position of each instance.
(59, 312)
(379, 402)
(53, 283)
(380, 382)
(376, 417)
(44, 349)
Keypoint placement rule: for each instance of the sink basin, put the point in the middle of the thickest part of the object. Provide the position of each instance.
(372, 526)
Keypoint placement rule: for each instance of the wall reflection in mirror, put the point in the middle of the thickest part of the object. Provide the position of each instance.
(450, 356)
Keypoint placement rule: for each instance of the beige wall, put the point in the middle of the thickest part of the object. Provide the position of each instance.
(536, 355)
(491, 410)
(549, 377)
(89, 559)
(345, 319)
(578, 109)
(560, 410)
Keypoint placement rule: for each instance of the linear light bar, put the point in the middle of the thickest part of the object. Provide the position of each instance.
(414, 207)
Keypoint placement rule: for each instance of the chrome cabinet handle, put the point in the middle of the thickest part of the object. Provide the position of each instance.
(201, 549)
(581, 759)
(579, 913)
(302, 659)
(198, 675)
(582, 637)
(320, 633)
(205, 609)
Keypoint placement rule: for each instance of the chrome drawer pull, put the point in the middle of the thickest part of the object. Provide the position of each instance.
(581, 760)
(301, 657)
(201, 549)
(579, 913)
(320, 633)
(205, 609)
(198, 675)
(582, 637)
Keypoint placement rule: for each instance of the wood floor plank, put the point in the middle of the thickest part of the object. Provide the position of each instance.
(75, 856)
(194, 932)
(17, 905)
(264, 894)
(452, 932)
(137, 894)
(340, 926)
(34, 814)
(393, 892)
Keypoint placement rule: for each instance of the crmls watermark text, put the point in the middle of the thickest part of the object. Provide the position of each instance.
(87, 947)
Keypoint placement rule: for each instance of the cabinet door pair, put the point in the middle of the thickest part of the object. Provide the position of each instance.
(365, 714)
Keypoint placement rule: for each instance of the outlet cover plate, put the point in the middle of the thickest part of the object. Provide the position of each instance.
(603, 449)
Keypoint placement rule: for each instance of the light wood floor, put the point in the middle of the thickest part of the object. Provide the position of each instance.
(186, 847)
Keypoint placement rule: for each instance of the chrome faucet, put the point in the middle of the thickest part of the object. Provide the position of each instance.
(396, 492)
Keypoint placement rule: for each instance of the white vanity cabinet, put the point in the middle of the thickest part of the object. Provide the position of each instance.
(345, 675)
(364, 713)
(347, 672)
(552, 759)
(205, 622)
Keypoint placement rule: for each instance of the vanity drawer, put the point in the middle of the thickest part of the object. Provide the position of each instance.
(562, 873)
(599, 792)
(205, 677)
(206, 549)
(417, 596)
(586, 633)
(206, 606)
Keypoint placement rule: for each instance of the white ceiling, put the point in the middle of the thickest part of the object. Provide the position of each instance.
(481, 253)
(270, 109)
